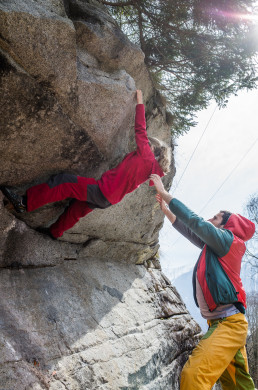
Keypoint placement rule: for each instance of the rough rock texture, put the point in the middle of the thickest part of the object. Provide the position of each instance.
(93, 309)
(92, 324)
(68, 98)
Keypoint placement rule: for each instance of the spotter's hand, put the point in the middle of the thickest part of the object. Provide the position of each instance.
(161, 203)
(158, 183)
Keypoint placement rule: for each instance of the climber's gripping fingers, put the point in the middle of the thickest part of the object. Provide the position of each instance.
(139, 96)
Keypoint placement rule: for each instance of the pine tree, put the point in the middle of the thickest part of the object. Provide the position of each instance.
(197, 50)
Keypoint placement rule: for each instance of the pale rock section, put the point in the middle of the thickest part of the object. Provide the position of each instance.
(78, 313)
(92, 324)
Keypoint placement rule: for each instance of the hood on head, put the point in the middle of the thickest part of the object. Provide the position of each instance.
(240, 226)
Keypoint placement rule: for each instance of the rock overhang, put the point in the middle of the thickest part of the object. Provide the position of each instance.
(79, 312)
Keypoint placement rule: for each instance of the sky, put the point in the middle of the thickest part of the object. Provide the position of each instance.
(217, 169)
(228, 149)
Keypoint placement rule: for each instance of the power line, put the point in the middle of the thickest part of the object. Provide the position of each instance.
(224, 181)
(230, 174)
(196, 147)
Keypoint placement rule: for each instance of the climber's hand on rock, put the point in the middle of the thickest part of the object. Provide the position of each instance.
(139, 96)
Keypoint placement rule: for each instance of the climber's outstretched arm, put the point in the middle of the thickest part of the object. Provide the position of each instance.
(141, 138)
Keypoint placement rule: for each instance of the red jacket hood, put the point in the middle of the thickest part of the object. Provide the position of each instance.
(240, 226)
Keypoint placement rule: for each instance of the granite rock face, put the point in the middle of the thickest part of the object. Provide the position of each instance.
(93, 309)
(92, 324)
(68, 98)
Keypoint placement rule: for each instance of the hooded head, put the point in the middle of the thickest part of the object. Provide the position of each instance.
(240, 226)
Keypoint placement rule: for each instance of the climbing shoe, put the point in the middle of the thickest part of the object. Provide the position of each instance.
(15, 199)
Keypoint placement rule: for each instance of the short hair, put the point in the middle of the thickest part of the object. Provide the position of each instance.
(225, 216)
(162, 153)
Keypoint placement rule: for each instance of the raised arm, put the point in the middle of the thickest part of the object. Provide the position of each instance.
(140, 125)
(219, 240)
(179, 225)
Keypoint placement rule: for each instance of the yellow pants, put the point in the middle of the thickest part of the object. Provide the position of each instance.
(220, 355)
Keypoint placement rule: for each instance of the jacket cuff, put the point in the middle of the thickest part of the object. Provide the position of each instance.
(140, 107)
(172, 204)
(179, 209)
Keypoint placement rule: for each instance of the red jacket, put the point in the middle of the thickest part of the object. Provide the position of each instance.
(135, 168)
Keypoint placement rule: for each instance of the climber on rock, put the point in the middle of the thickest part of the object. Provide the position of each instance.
(218, 292)
(151, 156)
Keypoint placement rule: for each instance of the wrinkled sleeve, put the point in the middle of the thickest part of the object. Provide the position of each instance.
(187, 233)
(141, 137)
(219, 240)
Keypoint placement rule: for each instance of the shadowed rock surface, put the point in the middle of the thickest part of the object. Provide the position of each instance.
(93, 309)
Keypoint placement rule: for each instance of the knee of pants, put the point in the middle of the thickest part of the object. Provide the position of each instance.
(83, 209)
